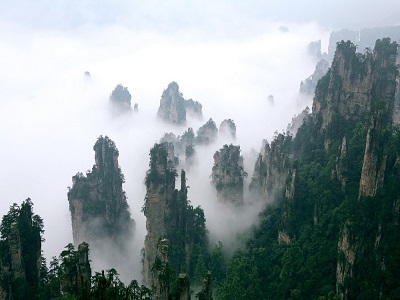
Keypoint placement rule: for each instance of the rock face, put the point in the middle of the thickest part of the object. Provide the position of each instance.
(298, 120)
(160, 184)
(20, 253)
(228, 174)
(359, 88)
(173, 107)
(271, 168)
(355, 86)
(160, 270)
(194, 108)
(344, 270)
(364, 38)
(76, 271)
(120, 98)
(308, 86)
(342, 164)
(228, 128)
(207, 133)
(97, 202)
(169, 215)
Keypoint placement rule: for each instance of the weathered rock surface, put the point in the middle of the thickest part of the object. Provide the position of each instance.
(160, 184)
(271, 169)
(76, 271)
(174, 108)
(355, 85)
(160, 270)
(120, 99)
(228, 174)
(228, 128)
(298, 120)
(172, 105)
(207, 133)
(194, 108)
(20, 253)
(97, 202)
(169, 215)
(308, 85)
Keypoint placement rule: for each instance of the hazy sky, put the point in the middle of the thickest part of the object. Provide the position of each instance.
(229, 55)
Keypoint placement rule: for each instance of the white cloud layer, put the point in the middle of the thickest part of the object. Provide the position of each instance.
(228, 56)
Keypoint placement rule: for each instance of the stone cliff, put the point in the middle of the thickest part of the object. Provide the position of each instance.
(20, 253)
(354, 86)
(75, 271)
(173, 107)
(160, 184)
(207, 133)
(97, 202)
(271, 168)
(308, 85)
(228, 128)
(228, 174)
(120, 99)
(169, 215)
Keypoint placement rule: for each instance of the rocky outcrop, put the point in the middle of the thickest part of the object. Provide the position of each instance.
(375, 157)
(341, 164)
(75, 271)
(169, 215)
(308, 85)
(365, 38)
(207, 133)
(172, 105)
(228, 128)
(194, 108)
(160, 270)
(271, 168)
(298, 120)
(97, 202)
(354, 87)
(314, 50)
(17, 267)
(20, 252)
(120, 98)
(84, 270)
(160, 184)
(228, 174)
(174, 108)
(347, 249)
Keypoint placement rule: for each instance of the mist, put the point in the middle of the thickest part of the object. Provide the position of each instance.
(230, 58)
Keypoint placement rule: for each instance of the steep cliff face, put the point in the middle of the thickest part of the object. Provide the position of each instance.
(20, 253)
(355, 85)
(194, 108)
(228, 174)
(172, 105)
(120, 99)
(160, 184)
(207, 133)
(97, 202)
(75, 271)
(169, 215)
(347, 248)
(308, 85)
(271, 168)
(228, 128)
(160, 270)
